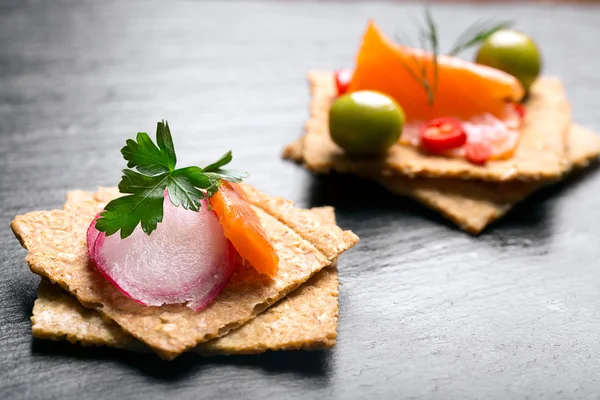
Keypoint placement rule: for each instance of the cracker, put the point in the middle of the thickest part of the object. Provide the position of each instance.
(540, 154)
(305, 319)
(57, 315)
(473, 205)
(57, 250)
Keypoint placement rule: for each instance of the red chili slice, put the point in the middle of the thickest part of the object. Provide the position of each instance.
(343, 77)
(520, 109)
(478, 152)
(442, 134)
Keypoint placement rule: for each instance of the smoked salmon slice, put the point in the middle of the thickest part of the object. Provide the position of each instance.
(464, 89)
(242, 227)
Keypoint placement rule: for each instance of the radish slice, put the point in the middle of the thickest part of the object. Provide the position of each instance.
(91, 236)
(187, 259)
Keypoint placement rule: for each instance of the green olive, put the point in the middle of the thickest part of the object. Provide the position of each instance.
(365, 122)
(514, 53)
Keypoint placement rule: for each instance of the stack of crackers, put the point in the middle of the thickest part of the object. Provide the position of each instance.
(297, 309)
(471, 196)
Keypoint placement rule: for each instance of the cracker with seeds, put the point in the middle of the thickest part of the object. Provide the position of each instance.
(57, 250)
(473, 205)
(540, 154)
(305, 319)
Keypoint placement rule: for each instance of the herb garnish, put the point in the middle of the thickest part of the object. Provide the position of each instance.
(477, 33)
(428, 40)
(145, 188)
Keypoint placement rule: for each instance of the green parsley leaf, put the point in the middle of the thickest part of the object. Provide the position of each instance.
(224, 160)
(214, 188)
(227, 175)
(182, 191)
(196, 176)
(143, 205)
(165, 143)
(144, 156)
(215, 172)
(145, 188)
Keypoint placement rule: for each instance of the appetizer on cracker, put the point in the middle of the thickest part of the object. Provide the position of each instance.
(175, 257)
(468, 139)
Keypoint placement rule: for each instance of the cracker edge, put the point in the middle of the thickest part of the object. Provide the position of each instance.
(584, 148)
(537, 146)
(21, 230)
(54, 305)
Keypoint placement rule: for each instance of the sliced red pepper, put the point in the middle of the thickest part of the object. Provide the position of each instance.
(441, 134)
(343, 77)
(478, 152)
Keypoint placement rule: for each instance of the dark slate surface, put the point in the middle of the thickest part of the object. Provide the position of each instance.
(426, 310)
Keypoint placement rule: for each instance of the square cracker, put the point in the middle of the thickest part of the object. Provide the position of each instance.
(539, 155)
(473, 205)
(57, 250)
(305, 319)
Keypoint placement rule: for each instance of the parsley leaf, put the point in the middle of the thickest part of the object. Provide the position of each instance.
(146, 157)
(143, 204)
(182, 191)
(224, 160)
(154, 173)
(227, 175)
(165, 143)
(215, 172)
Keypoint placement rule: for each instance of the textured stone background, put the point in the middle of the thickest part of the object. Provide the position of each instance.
(426, 310)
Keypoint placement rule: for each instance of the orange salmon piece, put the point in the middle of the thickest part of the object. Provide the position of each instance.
(464, 89)
(243, 228)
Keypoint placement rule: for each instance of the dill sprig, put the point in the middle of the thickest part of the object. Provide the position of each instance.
(477, 33)
(428, 42)
(428, 39)
(433, 38)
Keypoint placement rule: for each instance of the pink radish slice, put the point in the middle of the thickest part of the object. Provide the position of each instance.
(91, 236)
(187, 259)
